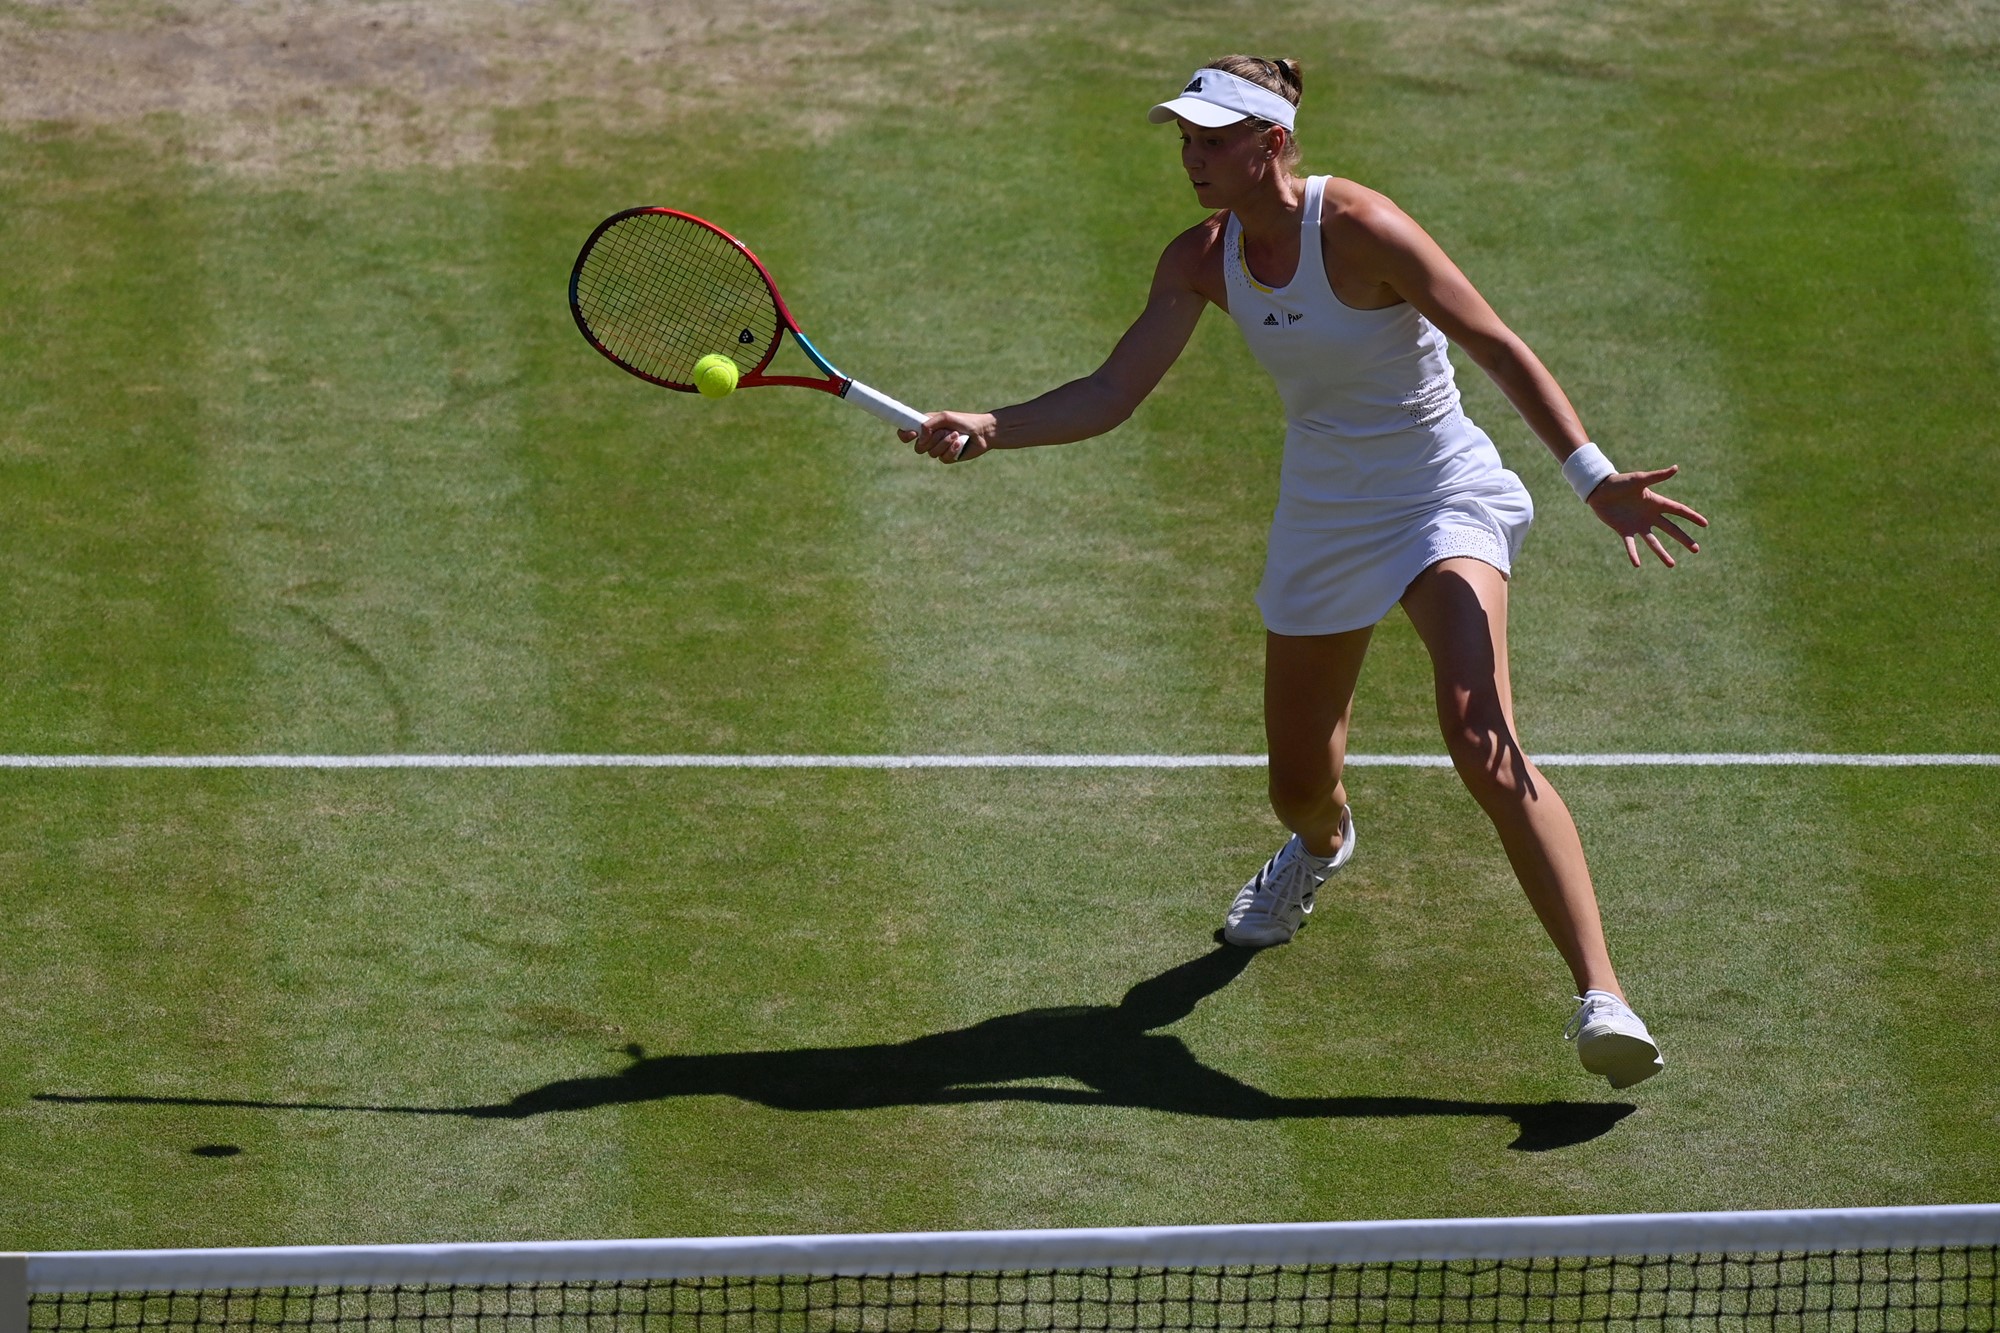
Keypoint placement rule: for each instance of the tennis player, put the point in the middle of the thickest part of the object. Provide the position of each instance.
(1387, 494)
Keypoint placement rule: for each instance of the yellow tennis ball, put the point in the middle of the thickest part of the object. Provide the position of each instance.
(715, 376)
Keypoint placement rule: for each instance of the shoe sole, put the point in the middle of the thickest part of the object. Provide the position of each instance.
(1622, 1059)
(1246, 941)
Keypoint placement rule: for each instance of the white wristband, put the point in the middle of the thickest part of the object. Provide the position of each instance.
(1585, 468)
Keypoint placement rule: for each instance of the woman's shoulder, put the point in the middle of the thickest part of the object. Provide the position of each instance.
(1202, 239)
(1364, 230)
(1195, 256)
(1349, 203)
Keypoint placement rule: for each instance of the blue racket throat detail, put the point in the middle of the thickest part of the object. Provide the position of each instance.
(805, 345)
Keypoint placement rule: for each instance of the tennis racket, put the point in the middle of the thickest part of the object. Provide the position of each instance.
(656, 290)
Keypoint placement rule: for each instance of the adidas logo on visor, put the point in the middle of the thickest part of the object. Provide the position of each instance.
(1224, 93)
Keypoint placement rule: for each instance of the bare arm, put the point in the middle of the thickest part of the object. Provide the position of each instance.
(1383, 242)
(1100, 401)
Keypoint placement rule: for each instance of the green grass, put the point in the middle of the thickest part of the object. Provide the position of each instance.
(461, 940)
(312, 460)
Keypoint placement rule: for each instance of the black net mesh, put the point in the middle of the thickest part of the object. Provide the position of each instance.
(1868, 1291)
(659, 292)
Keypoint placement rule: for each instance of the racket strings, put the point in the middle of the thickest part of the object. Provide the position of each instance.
(660, 292)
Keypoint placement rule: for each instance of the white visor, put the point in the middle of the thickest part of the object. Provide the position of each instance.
(1215, 97)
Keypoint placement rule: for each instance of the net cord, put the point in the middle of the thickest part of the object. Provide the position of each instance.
(1789, 1231)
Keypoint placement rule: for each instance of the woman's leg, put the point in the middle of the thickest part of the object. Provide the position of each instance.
(1459, 608)
(1308, 695)
(1308, 691)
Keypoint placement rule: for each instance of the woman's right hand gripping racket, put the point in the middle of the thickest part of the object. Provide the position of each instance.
(657, 290)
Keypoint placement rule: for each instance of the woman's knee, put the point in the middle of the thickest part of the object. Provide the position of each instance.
(1486, 754)
(1301, 788)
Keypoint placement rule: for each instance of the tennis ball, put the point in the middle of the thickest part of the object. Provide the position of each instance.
(715, 376)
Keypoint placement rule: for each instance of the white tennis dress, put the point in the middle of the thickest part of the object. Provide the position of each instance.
(1383, 475)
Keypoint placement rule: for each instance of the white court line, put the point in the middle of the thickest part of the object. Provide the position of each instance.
(893, 761)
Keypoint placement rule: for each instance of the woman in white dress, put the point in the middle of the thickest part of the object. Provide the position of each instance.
(1388, 494)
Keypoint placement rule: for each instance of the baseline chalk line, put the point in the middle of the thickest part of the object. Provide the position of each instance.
(902, 761)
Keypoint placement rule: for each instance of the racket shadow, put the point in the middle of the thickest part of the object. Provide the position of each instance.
(1114, 1051)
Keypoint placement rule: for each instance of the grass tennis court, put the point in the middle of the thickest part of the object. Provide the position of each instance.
(300, 453)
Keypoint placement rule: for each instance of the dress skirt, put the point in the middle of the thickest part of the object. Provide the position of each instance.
(1345, 565)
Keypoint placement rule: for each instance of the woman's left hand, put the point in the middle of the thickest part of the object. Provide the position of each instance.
(1627, 502)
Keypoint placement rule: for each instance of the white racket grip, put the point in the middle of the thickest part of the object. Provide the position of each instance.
(883, 406)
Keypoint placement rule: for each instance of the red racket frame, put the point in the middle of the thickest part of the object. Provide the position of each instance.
(835, 383)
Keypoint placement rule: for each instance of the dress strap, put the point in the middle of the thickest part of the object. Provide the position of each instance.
(1235, 277)
(1312, 257)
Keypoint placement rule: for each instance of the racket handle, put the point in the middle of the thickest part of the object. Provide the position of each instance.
(885, 407)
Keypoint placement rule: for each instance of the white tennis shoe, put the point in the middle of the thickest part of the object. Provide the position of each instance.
(1612, 1040)
(1278, 899)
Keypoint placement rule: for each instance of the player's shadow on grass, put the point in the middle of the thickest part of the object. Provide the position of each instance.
(1113, 1050)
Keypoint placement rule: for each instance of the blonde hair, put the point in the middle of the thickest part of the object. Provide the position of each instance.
(1279, 76)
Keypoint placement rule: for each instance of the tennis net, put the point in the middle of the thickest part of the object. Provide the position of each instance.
(1887, 1269)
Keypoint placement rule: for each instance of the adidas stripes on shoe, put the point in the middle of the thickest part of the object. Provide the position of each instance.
(1278, 899)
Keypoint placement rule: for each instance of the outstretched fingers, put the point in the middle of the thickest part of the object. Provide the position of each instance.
(1632, 508)
(1679, 510)
(1645, 533)
(1677, 532)
(1668, 505)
